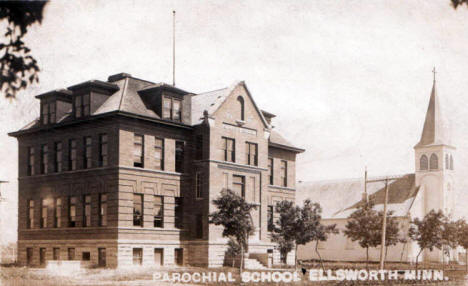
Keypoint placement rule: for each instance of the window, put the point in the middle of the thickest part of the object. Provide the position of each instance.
(30, 222)
(284, 173)
(72, 211)
(56, 253)
(58, 157)
(451, 162)
(137, 209)
(103, 154)
(86, 256)
(167, 108)
(423, 163)
(229, 149)
(29, 256)
(71, 253)
(270, 218)
(179, 256)
(199, 226)
(159, 256)
(102, 209)
(434, 162)
(31, 161)
(48, 112)
(72, 155)
(179, 212)
(252, 154)
(43, 222)
(159, 154)
(199, 147)
(42, 256)
(158, 211)
(45, 113)
(82, 105)
(176, 109)
(447, 161)
(78, 106)
(52, 112)
(102, 257)
(198, 185)
(240, 100)
(138, 153)
(87, 210)
(172, 109)
(238, 185)
(137, 256)
(270, 171)
(87, 152)
(44, 159)
(179, 156)
(58, 212)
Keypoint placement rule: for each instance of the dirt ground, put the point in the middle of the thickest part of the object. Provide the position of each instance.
(22, 276)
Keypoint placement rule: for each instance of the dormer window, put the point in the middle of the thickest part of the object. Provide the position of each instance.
(48, 112)
(82, 105)
(172, 108)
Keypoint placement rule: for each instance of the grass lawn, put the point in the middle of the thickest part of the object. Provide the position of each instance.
(21, 276)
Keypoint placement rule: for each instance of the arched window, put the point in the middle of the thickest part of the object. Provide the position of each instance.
(241, 107)
(434, 162)
(423, 163)
(451, 162)
(447, 161)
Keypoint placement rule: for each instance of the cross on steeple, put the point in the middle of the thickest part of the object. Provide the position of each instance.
(434, 72)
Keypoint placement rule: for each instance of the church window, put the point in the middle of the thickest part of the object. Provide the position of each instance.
(241, 107)
(423, 163)
(451, 162)
(434, 162)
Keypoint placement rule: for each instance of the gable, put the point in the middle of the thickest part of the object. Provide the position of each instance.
(230, 109)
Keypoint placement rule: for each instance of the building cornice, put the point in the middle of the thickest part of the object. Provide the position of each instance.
(284, 147)
(281, 188)
(96, 117)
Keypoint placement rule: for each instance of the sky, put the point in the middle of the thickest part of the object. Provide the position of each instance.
(349, 81)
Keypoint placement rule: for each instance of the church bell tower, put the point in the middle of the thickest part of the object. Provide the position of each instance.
(434, 159)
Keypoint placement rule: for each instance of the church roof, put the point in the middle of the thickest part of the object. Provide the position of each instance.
(436, 128)
(340, 198)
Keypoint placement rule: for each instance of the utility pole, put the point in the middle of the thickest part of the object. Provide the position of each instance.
(384, 221)
(365, 185)
(1, 223)
(384, 227)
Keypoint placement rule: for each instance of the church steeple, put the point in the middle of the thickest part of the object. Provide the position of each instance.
(436, 128)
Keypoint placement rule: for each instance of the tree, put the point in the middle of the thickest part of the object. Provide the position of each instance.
(321, 234)
(457, 3)
(392, 229)
(363, 226)
(18, 67)
(427, 232)
(284, 230)
(234, 215)
(462, 239)
(299, 226)
(449, 237)
(234, 250)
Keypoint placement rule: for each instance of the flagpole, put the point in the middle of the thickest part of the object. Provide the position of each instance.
(173, 47)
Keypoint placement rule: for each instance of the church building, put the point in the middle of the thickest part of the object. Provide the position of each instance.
(430, 187)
